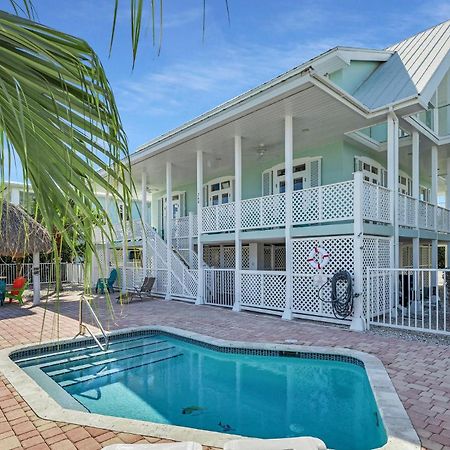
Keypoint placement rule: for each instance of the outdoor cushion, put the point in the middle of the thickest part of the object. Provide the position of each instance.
(299, 443)
(171, 446)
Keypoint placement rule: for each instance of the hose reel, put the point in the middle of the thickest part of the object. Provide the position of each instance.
(341, 299)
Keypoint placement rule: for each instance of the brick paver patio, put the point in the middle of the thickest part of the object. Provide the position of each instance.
(420, 371)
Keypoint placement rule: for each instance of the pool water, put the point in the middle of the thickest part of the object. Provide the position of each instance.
(160, 378)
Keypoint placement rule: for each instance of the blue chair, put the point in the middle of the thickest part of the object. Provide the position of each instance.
(106, 282)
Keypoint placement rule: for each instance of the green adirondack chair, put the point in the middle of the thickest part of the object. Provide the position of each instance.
(17, 290)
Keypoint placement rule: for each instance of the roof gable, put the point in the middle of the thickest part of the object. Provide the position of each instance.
(415, 66)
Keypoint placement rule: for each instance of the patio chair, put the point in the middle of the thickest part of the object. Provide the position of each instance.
(144, 291)
(106, 282)
(298, 443)
(17, 290)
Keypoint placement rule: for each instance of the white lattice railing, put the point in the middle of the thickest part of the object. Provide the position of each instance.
(263, 289)
(219, 218)
(443, 219)
(426, 215)
(376, 202)
(328, 203)
(407, 211)
(261, 212)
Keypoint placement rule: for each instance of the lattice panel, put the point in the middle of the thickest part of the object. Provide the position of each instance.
(251, 213)
(273, 210)
(305, 295)
(406, 256)
(251, 290)
(268, 249)
(305, 206)
(274, 291)
(280, 257)
(376, 252)
(340, 249)
(229, 258)
(376, 202)
(245, 257)
(337, 201)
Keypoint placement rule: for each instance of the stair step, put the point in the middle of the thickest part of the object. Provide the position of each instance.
(62, 375)
(93, 356)
(31, 360)
(115, 371)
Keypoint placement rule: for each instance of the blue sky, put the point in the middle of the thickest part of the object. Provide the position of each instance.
(264, 38)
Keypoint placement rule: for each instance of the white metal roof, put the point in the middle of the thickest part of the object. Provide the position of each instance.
(415, 68)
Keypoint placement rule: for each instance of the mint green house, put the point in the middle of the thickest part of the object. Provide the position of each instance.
(340, 164)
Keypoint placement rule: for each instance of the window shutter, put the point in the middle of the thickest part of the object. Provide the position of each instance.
(182, 204)
(205, 196)
(233, 190)
(267, 183)
(315, 175)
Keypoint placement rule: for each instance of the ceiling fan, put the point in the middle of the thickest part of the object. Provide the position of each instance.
(261, 150)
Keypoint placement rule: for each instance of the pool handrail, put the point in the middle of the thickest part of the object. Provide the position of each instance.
(84, 327)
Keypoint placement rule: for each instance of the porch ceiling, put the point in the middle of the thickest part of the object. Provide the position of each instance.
(319, 118)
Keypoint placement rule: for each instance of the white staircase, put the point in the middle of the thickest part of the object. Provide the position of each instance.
(173, 276)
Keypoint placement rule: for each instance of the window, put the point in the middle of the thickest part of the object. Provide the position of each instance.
(219, 191)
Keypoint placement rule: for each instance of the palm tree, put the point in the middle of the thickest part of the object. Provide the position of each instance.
(58, 116)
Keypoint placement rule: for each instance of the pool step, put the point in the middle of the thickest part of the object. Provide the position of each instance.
(96, 355)
(95, 366)
(114, 371)
(60, 355)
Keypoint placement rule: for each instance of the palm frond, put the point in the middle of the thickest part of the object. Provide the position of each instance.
(58, 116)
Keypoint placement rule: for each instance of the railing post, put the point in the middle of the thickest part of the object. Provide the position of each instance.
(358, 323)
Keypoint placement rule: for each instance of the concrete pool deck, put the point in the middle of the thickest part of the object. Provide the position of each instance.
(420, 371)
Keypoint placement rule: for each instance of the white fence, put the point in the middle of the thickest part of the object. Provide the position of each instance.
(69, 272)
(412, 299)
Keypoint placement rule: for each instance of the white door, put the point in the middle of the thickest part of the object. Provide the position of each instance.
(177, 208)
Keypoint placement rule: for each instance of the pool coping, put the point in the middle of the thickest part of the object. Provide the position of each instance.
(399, 429)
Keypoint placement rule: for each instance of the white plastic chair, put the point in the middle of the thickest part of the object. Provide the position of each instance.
(171, 446)
(299, 443)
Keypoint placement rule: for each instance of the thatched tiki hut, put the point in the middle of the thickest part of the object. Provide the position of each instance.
(21, 235)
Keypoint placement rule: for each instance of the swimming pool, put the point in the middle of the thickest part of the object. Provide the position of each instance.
(159, 377)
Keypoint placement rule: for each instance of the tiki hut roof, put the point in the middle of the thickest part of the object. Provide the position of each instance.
(20, 234)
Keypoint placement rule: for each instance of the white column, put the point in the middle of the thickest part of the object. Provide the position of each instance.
(447, 204)
(36, 280)
(168, 228)
(144, 222)
(447, 183)
(288, 160)
(237, 226)
(201, 270)
(358, 321)
(434, 201)
(392, 168)
(416, 194)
